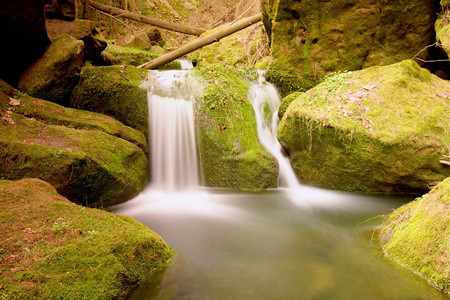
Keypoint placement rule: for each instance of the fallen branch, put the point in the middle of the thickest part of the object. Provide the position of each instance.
(444, 162)
(147, 20)
(201, 42)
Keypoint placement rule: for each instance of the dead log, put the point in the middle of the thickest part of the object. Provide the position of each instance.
(444, 162)
(147, 20)
(201, 42)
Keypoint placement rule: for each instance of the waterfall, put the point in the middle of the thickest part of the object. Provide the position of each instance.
(173, 146)
(265, 100)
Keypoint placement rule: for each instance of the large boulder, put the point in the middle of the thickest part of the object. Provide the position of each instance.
(231, 156)
(416, 236)
(23, 35)
(311, 38)
(115, 91)
(52, 248)
(382, 129)
(54, 75)
(90, 158)
(84, 30)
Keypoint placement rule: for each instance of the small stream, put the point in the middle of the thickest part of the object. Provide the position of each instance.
(294, 242)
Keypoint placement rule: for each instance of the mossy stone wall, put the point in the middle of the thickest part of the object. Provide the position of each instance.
(311, 38)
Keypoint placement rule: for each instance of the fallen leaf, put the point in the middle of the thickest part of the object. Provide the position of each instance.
(14, 102)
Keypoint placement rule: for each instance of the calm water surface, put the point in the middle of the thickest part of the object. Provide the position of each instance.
(305, 244)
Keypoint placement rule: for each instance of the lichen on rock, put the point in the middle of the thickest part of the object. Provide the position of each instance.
(382, 129)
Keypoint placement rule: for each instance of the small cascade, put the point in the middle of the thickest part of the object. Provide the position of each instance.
(173, 146)
(185, 64)
(265, 100)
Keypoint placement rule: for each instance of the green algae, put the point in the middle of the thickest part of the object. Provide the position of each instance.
(231, 156)
(52, 248)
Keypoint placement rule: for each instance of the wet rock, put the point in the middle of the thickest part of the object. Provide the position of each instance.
(90, 158)
(53, 76)
(382, 129)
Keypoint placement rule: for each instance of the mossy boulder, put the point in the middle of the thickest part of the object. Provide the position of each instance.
(382, 129)
(416, 236)
(84, 30)
(312, 38)
(53, 76)
(85, 156)
(230, 154)
(54, 249)
(115, 91)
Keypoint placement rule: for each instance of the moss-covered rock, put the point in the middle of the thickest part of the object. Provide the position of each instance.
(115, 91)
(230, 154)
(311, 38)
(53, 76)
(53, 249)
(84, 30)
(381, 129)
(416, 236)
(79, 154)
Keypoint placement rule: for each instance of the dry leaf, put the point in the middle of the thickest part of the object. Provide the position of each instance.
(14, 102)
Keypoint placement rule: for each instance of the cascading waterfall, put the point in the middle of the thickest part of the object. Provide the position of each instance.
(174, 165)
(266, 101)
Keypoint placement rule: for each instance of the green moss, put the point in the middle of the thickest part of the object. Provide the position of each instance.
(416, 236)
(89, 167)
(107, 90)
(382, 126)
(53, 76)
(312, 39)
(117, 55)
(60, 250)
(241, 49)
(231, 156)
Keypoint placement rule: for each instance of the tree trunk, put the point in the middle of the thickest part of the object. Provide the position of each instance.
(147, 20)
(201, 42)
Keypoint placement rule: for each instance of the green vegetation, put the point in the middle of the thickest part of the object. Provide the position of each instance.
(54, 249)
(383, 126)
(117, 55)
(416, 236)
(77, 153)
(311, 40)
(231, 156)
(114, 91)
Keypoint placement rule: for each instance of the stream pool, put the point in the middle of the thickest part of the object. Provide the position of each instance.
(303, 244)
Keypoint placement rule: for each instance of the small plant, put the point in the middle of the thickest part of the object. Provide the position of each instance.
(59, 228)
(92, 234)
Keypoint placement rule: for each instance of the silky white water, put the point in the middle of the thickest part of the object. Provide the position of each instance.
(262, 245)
(266, 101)
(173, 146)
